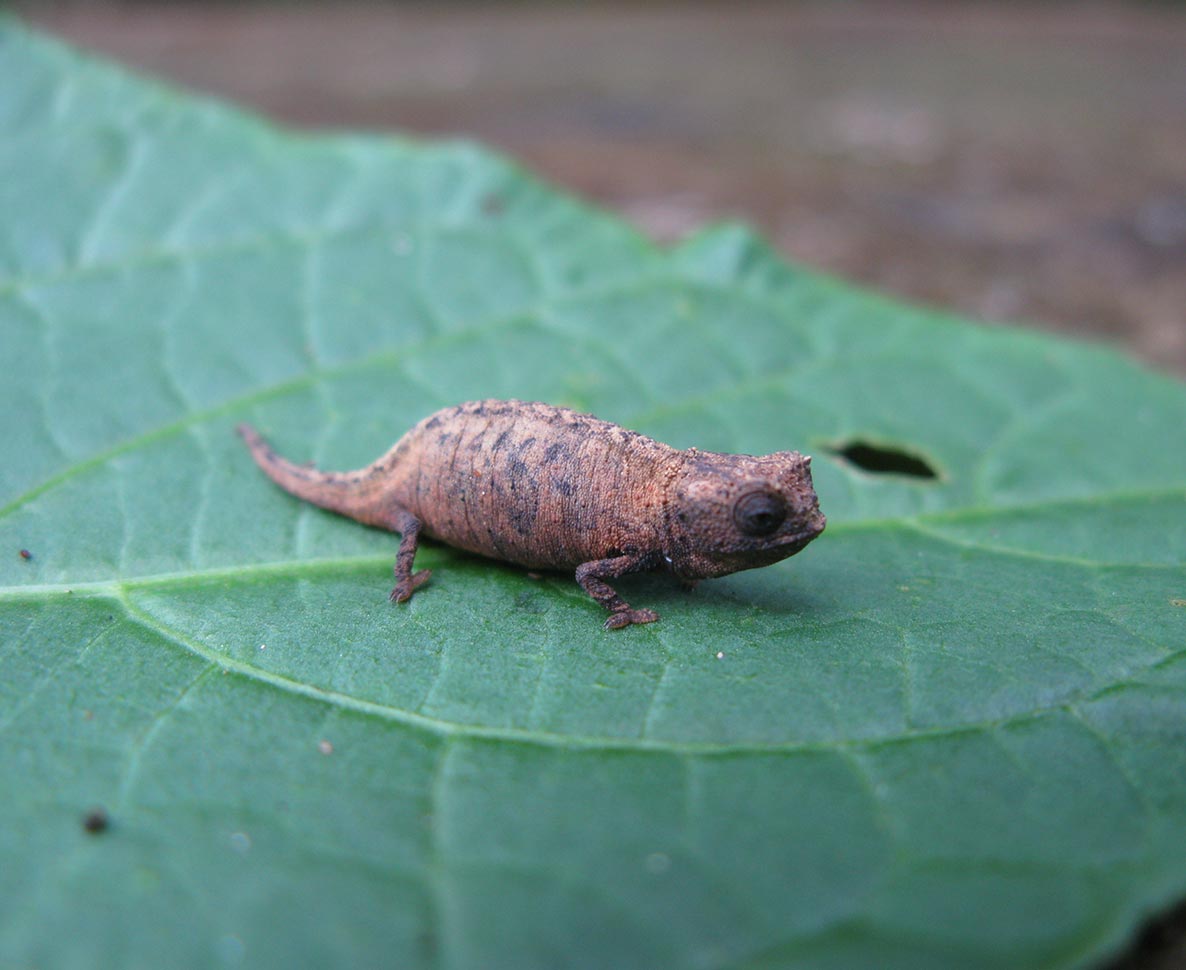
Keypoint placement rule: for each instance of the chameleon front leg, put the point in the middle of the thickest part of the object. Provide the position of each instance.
(406, 581)
(592, 576)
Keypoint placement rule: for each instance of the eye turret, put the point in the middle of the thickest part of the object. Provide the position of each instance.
(759, 513)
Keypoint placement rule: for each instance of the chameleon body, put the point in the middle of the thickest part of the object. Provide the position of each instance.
(548, 488)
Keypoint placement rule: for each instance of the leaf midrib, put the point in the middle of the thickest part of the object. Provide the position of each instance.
(464, 730)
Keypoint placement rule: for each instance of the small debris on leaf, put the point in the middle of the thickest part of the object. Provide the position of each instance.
(96, 821)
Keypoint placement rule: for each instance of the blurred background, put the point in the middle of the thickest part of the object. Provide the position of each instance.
(1010, 161)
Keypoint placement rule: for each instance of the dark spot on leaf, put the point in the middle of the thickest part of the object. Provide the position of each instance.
(531, 602)
(884, 460)
(96, 821)
(26, 555)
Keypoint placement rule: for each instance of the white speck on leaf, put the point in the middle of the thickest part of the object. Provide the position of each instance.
(658, 863)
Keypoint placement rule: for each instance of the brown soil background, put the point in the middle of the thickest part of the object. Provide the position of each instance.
(1011, 162)
(1022, 163)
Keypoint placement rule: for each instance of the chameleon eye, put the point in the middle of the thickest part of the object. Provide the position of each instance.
(759, 513)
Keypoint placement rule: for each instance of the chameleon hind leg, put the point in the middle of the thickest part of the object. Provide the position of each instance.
(406, 581)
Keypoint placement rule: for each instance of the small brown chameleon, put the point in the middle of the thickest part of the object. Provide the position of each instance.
(548, 488)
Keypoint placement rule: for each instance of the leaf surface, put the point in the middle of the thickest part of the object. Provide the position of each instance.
(951, 733)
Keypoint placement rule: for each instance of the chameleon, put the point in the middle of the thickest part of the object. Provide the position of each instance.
(552, 489)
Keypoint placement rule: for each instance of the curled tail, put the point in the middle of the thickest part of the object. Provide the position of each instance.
(352, 494)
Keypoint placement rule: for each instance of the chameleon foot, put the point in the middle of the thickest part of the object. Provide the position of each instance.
(623, 618)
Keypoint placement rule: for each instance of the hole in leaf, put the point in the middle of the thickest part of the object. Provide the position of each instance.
(884, 460)
(1161, 942)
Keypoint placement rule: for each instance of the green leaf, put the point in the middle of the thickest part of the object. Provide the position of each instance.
(951, 733)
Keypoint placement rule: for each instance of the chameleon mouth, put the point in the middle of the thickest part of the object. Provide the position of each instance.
(797, 540)
(793, 544)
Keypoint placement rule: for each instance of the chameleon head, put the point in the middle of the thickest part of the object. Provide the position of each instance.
(730, 512)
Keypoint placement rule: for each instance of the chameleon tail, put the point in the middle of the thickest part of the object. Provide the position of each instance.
(348, 493)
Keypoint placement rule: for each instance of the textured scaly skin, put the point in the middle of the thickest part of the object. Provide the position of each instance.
(548, 488)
